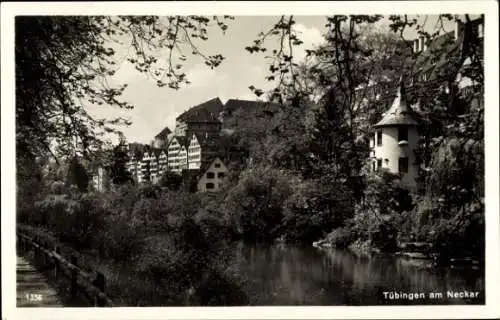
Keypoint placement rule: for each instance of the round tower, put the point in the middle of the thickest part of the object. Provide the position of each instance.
(395, 140)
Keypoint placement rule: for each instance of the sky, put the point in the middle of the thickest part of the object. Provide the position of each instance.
(156, 108)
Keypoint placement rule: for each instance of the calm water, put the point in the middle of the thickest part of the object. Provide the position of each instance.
(288, 275)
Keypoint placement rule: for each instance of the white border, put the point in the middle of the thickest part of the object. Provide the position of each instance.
(489, 8)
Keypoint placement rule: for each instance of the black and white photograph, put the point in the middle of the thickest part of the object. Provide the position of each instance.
(281, 159)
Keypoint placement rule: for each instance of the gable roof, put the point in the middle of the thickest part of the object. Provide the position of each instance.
(183, 141)
(205, 139)
(164, 133)
(206, 112)
(204, 167)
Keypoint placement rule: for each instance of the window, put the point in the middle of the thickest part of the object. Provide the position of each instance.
(379, 138)
(209, 185)
(386, 162)
(220, 175)
(374, 166)
(210, 175)
(402, 134)
(217, 165)
(403, 164)
(379, 163)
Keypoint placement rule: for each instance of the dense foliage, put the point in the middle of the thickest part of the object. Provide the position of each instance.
(175, 254)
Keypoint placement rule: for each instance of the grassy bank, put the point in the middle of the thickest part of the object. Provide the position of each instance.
(153, 251)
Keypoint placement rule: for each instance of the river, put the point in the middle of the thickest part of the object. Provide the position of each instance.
(290, 275)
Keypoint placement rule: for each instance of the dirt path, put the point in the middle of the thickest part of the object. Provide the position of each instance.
(32, 287)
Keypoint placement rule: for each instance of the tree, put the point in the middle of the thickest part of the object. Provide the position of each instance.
(171, 180)
(254, 205)
(345, 105)
(118, 171)
(63, 63)
(77, 175)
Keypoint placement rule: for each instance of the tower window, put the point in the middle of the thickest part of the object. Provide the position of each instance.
(402, 134)
(379, 138)
(403, 164)
(374, 166)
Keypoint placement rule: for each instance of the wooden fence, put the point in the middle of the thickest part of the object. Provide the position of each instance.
(81, 282)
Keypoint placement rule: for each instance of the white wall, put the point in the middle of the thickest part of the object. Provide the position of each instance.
(217, 181)
(194, 154)
(392, 151)
(173, 155)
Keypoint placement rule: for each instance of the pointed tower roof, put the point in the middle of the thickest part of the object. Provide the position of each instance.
(400, 112)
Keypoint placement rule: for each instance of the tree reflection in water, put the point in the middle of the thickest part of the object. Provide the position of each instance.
(289, 275)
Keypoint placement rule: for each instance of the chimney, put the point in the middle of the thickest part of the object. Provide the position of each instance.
(459, 29)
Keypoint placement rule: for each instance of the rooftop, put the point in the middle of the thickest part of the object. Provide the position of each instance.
(400, 112)
(206, 112)
(164, 133)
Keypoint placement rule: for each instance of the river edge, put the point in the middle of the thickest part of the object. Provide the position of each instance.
(419, 256)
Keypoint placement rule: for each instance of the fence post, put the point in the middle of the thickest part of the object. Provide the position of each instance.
(74, 274)
(100, 283)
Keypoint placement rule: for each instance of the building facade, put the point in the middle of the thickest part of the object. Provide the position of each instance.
(177, 154)
(213, 178)
(98, 179)
(192, 149)
(396, 139)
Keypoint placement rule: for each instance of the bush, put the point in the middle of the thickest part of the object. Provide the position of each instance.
(51, 210)
(57, 187)
(314, 209)
(174, 250)
(119, 240)
(254, 205)
(341, 237)
(461, 235)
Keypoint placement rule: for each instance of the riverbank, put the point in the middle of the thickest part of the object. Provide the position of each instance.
(408, 250)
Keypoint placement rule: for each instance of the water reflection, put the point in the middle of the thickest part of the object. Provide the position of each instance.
(288, 275)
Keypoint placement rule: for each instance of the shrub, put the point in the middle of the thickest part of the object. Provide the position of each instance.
(341, 237)
(51, 210)
(255, 204)
(313, 209)
(57, 187)
(84, 221)
(119, 240)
